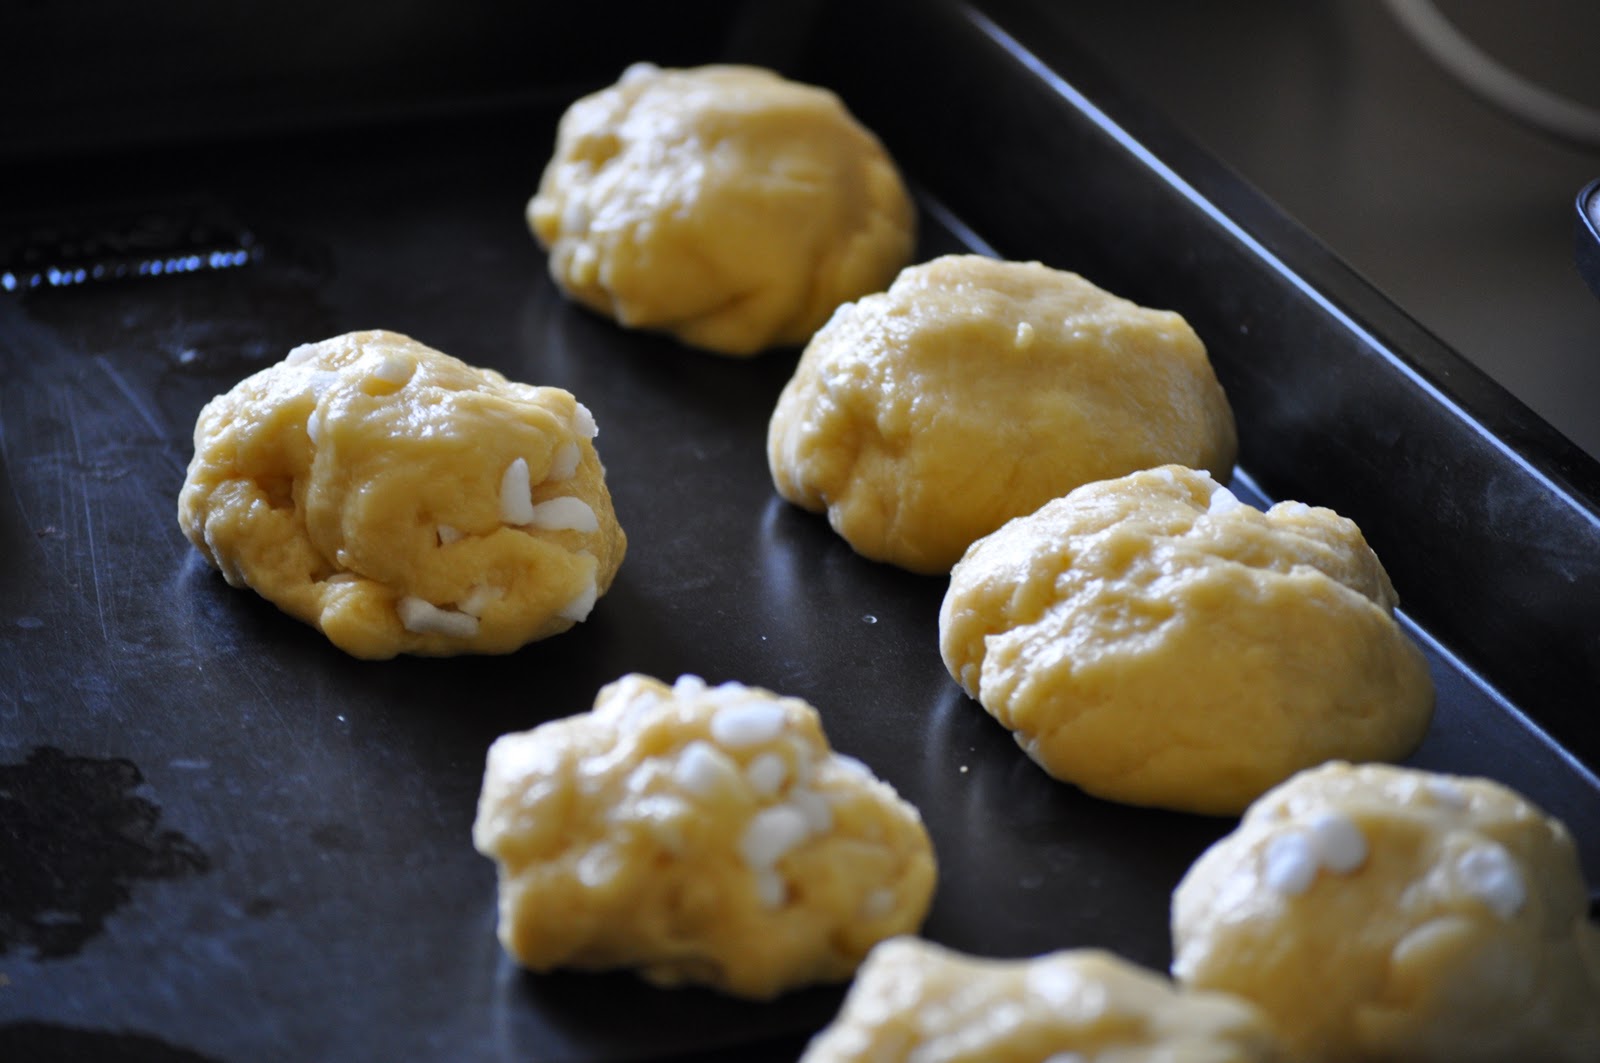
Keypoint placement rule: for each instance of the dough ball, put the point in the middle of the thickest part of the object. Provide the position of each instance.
(723, 204)
(401, 501)
(1153, 640)
(1381, 913)
(914, 1001)
(699, 834)
(974, 391)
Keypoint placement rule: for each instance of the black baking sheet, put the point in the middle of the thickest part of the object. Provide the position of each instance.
(224, 840)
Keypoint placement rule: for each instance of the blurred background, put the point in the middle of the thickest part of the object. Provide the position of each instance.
(1461, 213)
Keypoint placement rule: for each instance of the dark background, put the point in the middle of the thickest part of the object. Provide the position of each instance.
(1457, 211)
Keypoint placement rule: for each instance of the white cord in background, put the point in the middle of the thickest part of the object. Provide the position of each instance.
(1483, 74)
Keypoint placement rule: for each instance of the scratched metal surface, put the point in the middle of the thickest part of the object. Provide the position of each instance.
(240, 844)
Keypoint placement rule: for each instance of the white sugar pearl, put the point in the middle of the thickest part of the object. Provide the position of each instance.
(850, 765)
(1490, 874)
(582, 603)
(565, 463)
(583, 422)
(771, 889)
(395, 369)
(1338, 843)
(640, 71)
(878, 903)
(563, 514)
(575, 219)
(477, 602)
(749, 724)
(1223, 501)
(766, 774)
(1290, 864)
(771, 833)
(815, 808)
(1447, 793)
(425, 618)
(703, 769)
(516, 494)
(1053, 984)
(599, 865)
(688, 686)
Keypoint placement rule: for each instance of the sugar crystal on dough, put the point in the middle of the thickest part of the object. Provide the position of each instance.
(425, 618)
(1337, 842)
(565, 463)
(771, 833)
(563, 514)
(767, 773)
(1490, 874)
(749, 724)
(1291, 865)
(516, 494)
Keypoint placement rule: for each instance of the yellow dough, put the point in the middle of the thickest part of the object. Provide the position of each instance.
(915, 1002)
(1154, 640)
(401, 501)
(1380, 913)
(974, 391)
(722, 204)
(699, 834)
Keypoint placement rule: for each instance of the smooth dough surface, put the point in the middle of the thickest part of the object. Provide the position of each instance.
(974, 391)
(701, 835)
(1382, 913)
(723, 204)
(915, 1002)
(402, 501)
(1153, 640)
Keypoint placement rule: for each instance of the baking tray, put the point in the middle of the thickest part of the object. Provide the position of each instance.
(221, 839)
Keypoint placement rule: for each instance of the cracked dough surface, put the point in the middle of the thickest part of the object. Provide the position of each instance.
(362, 485)
(1153, 640)
(725, 205)
(701, 835)
(915, 1002)
(974, 391)
(1384, 913)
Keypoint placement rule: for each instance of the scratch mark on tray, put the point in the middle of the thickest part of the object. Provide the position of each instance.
(146, 413)
(139, 405)
(88, 519)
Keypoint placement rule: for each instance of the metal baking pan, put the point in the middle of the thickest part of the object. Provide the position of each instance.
(1586, 236)
(221, 839)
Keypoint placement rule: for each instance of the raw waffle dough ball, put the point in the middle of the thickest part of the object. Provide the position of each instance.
(402, 501)
(1153, 640)
(722, 204)
(1382, 913)
(699, 834)
(914, 1001)
(974, 391)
